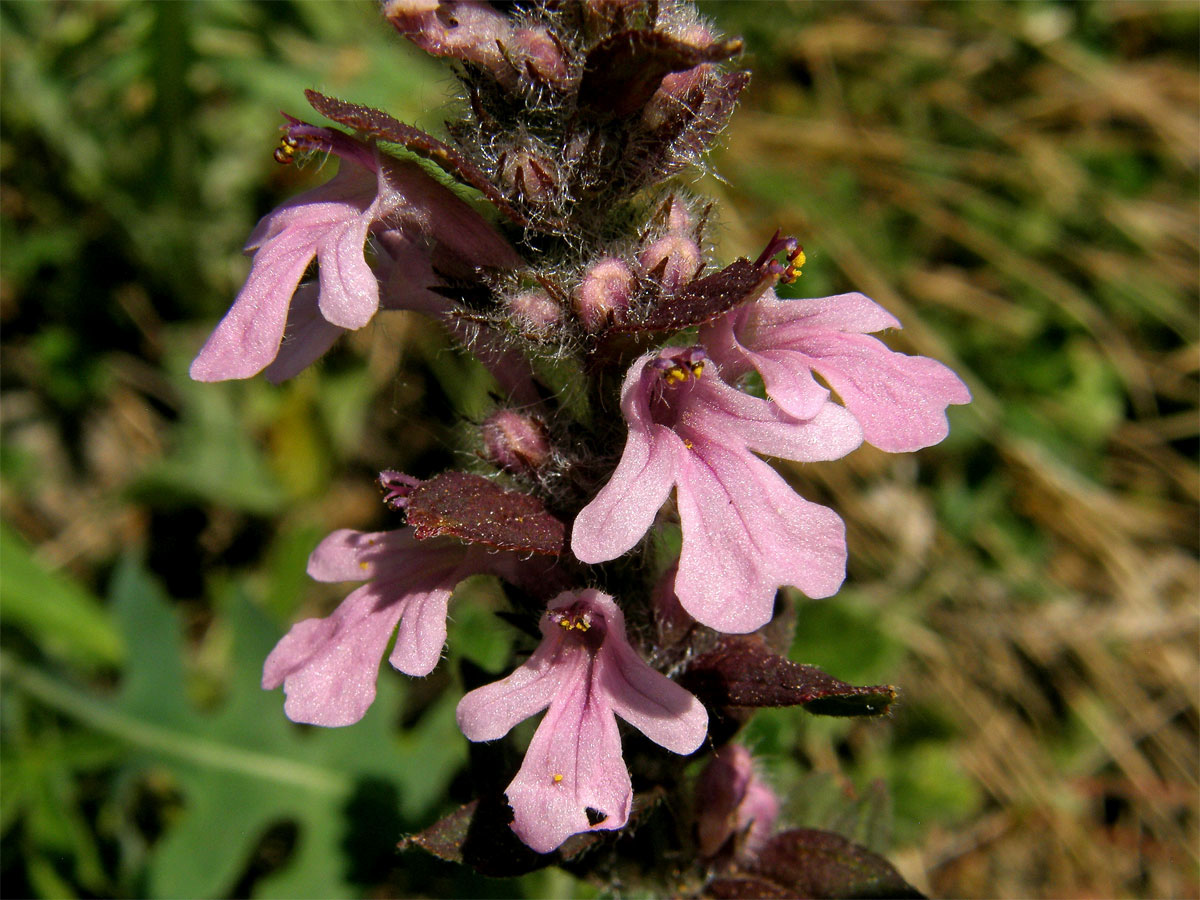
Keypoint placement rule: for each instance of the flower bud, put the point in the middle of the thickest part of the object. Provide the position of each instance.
(676, 86)
(606, 288)
(516, 442)
(673, 259)
(529, 175)
(679, 218)
(732, 802)
(701, 92)
(533, 49)
(460, 29)
(534, 312)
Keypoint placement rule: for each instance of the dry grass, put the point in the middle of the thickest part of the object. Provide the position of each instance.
(1070, 670)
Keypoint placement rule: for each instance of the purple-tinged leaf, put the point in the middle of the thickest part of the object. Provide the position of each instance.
(820, 864)
(473, 509)
(743, 672)
(445, 837)
(623, 71)
(706, 298)
(479, 835)
(376, 123)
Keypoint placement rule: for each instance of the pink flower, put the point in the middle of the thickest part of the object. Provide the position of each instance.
(574, 778)
(732, 800)
(371, 194)
(745, 531)
(328, 666)
(899, 400)
(405, 276)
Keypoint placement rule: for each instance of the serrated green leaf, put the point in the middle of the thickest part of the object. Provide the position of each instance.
(245, 768)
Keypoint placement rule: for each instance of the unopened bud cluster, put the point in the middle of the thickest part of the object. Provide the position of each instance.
(573, 108)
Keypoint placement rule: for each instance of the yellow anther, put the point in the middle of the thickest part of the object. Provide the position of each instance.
(576, 623)
(364, 565)
(697, 369)
(676, 375)
(286, 151)
(688, 444)
(795, 264)
(557, 778)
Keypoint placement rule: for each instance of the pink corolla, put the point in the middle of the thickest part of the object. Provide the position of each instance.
(899, 400)
(745, 531)
(372, 194)
(573, 778)
(328, 667)
(405, 277)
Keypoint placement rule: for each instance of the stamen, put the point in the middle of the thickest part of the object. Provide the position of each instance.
(285, 153)
(796, 260)
(581, 622)
(676, 375)
(681, 367)
(774, 271)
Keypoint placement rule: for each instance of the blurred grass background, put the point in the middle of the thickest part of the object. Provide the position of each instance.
(1016, 182)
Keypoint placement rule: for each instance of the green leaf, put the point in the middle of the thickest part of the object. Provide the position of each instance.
(40, 785)
(566, 381)
(474, 631)
(53, 609)
(245, 768)
(214, 458)
(461, 376)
